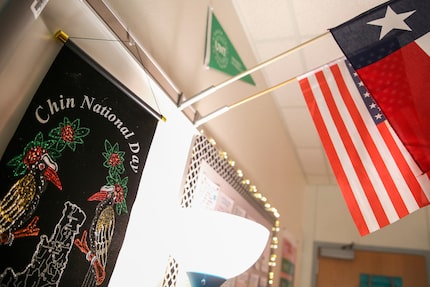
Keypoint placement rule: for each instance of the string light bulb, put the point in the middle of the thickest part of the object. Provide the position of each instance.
(264, 201)
(239, 173)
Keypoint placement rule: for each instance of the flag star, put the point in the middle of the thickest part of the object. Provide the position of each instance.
(360, 84)
(366, 94)
(372, 106)
(392, 21)
(378, 116)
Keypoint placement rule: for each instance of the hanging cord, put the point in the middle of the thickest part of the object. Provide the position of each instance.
(146, 75)
(96, 39)
(129, 42)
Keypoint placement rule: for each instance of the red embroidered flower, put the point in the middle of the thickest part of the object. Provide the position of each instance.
(33, 155)
(115, 159)
(67, 133)
(119, 193)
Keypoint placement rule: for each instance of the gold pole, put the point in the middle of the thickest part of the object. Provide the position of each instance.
(62, 36)
(199, 96)
(271, 60)
(225, 109)
(259, 94)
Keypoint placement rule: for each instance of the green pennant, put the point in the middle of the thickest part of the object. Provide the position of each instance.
(220, 53)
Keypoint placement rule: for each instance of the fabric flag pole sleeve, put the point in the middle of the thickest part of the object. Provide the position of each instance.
(389, 47)
(379, 179)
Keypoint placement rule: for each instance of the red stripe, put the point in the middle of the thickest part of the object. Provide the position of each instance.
(360, 170)
(341, 177)
(408, 175)
(372, 150)
(400, 84)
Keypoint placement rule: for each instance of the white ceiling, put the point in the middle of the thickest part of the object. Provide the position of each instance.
(276, 26)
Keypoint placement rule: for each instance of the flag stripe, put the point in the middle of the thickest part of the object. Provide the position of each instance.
(402, 167)
(423, 179)
(393, 61)
(341, 176)
(415, 188)
(345, 166)
(352, 152)
(379, 179)
(391, 97)
(395, 175)
(370, 146)
(400, 81)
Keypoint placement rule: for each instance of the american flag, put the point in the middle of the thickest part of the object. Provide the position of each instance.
(380, 181)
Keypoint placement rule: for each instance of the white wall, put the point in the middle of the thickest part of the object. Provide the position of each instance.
(335, 225)
(328, 221)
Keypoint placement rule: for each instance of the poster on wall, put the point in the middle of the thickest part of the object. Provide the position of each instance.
(69, 176)
(289, 253)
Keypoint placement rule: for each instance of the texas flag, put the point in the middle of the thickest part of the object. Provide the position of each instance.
(389, 47)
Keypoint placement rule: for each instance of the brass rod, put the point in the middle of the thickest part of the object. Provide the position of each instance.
(203, 94)
(261, 93)
(270, 61)
(225, 109)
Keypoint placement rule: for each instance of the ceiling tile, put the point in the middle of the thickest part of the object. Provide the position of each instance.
(316, 17)
(289, 96)
(318, 179)
(313, 161)
(262, 20)
(301, 127)
(285, 66)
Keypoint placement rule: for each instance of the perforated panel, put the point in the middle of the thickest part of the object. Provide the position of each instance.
(171, 275)
(203, 149)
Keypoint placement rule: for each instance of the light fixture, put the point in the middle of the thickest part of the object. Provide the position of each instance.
(213, 246)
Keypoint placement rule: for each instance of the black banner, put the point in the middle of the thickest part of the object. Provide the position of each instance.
(69, 176)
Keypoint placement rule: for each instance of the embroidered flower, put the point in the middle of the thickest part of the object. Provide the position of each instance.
(68, 134)
(114, 158)
(32, 153)
(121, 190)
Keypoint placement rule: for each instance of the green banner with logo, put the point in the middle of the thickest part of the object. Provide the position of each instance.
(220, 53)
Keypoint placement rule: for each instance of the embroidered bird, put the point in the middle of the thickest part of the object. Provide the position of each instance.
(100, 233)
(22, 199)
